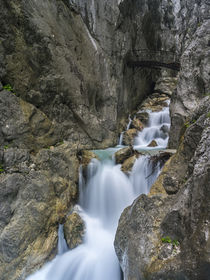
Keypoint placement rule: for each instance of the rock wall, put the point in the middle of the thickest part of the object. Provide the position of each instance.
(193, 82)
(166, 235)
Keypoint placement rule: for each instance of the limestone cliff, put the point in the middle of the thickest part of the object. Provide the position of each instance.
(166, 235)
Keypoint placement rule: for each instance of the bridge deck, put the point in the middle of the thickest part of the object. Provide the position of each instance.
(153, 59)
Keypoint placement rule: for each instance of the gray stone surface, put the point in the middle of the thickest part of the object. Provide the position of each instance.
(193, 83)
(184, 217)
(123, 154)
(36, 192)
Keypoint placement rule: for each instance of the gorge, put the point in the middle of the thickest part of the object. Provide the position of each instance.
(71, 72)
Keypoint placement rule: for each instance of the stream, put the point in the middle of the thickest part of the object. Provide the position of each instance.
(103, 197)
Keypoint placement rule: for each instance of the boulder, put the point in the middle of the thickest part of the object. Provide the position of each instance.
(74, 230)
(123, 154)
(129, 135)
(137, 124)
(165, 128)
(143, 117)
(128, 164)
(153, 143)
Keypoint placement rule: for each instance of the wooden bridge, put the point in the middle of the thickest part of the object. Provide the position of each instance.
(153, 59)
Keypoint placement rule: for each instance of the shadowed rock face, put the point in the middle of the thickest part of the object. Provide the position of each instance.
(52, 61)
(68, 58)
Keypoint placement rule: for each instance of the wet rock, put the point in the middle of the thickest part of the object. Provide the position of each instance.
(74, 230)
(86, 157)
(153, 143)
(129, 135)
(123, 154)
(137, 124)
(143, 117)
(164, 128)
(128, 164)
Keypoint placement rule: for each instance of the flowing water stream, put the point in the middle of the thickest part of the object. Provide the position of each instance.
(103, 197)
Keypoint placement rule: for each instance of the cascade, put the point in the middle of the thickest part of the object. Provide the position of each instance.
(103, 196)
(122, 133)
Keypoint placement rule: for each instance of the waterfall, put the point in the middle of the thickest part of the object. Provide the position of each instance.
(62, 246)
(158, 128)
(122, 133)
(103, 196)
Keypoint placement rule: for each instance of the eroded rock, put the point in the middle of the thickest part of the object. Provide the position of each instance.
(123, 154)
(137, 124)
(153, 143)
(166, 85)
(128, 164)
(74, 230)
(129, 135)
(143, 117)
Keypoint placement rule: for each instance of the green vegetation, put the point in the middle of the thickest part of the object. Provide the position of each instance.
(187, 124)
(167, 239)
(1, 168)
(6, 147)
(8, 87)
(175, 243)
(208, 115)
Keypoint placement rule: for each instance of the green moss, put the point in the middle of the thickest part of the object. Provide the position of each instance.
(167, 239)
(208, 115)
(1, 169)
(175, 243)
(8, 87)
(187, 124)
